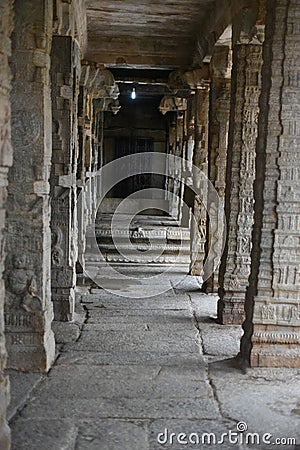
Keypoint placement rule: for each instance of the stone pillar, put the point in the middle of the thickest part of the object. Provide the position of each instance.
(272, 326)
(28, 306)
(177, 107)
(6, 22)
(65, 66)
(221, 65)
(239, 208)
(98, 93)
(200, 160)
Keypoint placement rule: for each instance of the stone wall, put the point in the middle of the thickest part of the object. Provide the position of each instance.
(6, 152)
(28, 306)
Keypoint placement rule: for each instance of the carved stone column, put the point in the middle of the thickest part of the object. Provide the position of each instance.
(221, 65)
(65, 67)
(177, 107)
(200, 160)
(98, 93)
(272, 326)
(28, 306)
(246, 88)
(6, 152)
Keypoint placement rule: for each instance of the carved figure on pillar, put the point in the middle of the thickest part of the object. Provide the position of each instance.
(20, 283)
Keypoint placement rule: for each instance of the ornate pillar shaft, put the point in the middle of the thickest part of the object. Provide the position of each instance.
(177, 106)
(6, 154)
(272, 321)
(218, 136)
(98, 93)
(28, 306)
(200, 160)
(239, 203)
(65, 67)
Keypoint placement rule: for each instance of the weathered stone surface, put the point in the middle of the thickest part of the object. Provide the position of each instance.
(131, 435)
(133, 341)
(28, 307)
(6, 153)
(220, 66)
(65, 332)
(272, 301)
(65, 73)
(51, 434)
(98, 92)
(69, 19)
(200, 160)
(240, 173)
(169, 36)
(124, 399)
(271, 399)
(21, 386)
(142, 357)
(177, 407)
(136, 382)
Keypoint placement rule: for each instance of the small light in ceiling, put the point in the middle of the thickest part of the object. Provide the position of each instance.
(133, 94)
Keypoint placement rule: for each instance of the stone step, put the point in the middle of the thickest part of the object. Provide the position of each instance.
(145, 240)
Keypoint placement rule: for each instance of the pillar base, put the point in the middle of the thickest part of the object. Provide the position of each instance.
(211, 285)
(232, 316)
(28, 350)
(231, 310)
(63, 304)
(281, 356)
(4, 435)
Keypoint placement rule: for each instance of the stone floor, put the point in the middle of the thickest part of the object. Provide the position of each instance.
(144, 368)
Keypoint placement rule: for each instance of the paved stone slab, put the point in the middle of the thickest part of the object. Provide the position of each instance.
(98, 358)
(204, 305)
(172, 407)
(113, 434)
(111, 341)
(274, 405)
(100, 315)
(123, 382)
(214, 334)
(141, 324)
(154, 303)
(45, 434)
(91, 382)
(21, 385)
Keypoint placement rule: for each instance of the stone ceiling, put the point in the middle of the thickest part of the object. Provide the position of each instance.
(157, 34)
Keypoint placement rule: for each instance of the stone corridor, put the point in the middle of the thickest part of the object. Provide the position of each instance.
(141, 366)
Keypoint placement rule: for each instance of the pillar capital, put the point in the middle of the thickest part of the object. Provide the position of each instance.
(187, 81)
(99, 81)
(248, 25)
(172, 103)
(221, 62)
